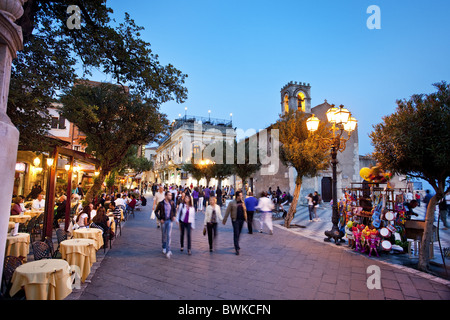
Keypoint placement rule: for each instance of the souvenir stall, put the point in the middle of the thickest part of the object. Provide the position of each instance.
(372, 214)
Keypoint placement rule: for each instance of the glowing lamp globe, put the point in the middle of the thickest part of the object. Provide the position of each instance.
(312, 123)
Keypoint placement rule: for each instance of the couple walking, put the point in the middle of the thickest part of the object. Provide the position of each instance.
(166, 213)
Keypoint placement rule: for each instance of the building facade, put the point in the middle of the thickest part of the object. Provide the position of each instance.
(297, 96)
(188, 138)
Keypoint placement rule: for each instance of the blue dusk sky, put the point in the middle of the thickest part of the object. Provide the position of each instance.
(239, 54)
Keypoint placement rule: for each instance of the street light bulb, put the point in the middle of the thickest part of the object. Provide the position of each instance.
(350, 125)
(49, 162)
(342, 115)
(67, 167)
(331, 114)
(312, 123)
(36, 162)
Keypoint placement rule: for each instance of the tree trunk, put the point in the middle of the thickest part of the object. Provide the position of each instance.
(96, 187)
(293, 207)
(424, 255)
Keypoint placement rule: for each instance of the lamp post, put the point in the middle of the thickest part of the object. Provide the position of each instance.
(341, 121)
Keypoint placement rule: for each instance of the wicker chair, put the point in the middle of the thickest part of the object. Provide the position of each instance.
(106, 236)
(30, 227)
(41, 250)
(10, 265)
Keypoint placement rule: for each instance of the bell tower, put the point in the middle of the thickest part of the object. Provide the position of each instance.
(296, 96)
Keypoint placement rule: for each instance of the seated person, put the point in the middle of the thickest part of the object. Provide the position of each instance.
(119, 201)
(83, 219)
(409, 209)
(132, 204)
(101, 219)
(60, 211)
(38, 203)
(115, 210)
(16, 209)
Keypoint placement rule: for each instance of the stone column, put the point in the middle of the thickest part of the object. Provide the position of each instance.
(10, 42)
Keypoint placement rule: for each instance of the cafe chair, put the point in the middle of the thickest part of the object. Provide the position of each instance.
(30, 228)
(61, 235)
(106, 236)
(41, 250)
(9, 266)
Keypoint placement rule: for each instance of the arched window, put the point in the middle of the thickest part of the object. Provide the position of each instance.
(301, 101)
(286, 103)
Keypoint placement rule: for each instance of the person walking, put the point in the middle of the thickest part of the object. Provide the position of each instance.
(186, 219)
(212, 215)
(250, 203)
(159, 196)
(165, 212)
(265, 206)
(195, 198)
(316, 205)
(427, 198)
(238, 213)
(443, 212)
(309, 197)
(200, 198)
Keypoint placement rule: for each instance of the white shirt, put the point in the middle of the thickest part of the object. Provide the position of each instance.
(38, 204)
(208, 214)
(119, 202)
(182, 214)
(159, 196)
(265, 204)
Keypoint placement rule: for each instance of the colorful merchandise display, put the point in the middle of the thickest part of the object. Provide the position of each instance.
(373, 217)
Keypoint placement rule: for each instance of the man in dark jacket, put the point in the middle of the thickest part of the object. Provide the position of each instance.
(165, 212)
(238, 212)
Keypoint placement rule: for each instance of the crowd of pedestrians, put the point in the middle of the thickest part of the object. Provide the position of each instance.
(180, 204)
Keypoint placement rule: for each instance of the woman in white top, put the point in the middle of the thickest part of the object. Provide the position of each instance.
(186, 218)
(212, 215)
(309, 197)
(83, 219)
(265, 206)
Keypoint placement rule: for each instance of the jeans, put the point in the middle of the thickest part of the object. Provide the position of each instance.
(250, 221)
(187, 227)
(195, 203)
(237, 228)
(311, 211)
(211, 228)
(166, 232)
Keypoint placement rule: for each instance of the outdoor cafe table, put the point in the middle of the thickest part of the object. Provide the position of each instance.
(46, 279)
(90, 233)
(81, 253)
(20, 218)
(18, 245)
(34, 213)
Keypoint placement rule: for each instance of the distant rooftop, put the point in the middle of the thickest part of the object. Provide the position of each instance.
(189, 120)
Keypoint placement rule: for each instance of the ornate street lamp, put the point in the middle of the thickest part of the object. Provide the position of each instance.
(341, 121)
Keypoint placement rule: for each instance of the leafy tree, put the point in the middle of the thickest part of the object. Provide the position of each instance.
(415, 141)
(219, 169)
(113, 120)
(300, 150)
(242, 166)
(195, 169)
(53, 53)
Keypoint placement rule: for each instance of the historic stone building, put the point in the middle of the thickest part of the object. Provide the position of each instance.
(188, 137)
(297, 96)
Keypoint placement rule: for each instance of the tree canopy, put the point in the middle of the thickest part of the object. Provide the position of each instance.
(415, 141)
(54, 56)
(300, 149)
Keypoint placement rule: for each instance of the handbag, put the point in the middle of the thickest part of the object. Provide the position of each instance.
(153, 216)
(204, 231)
